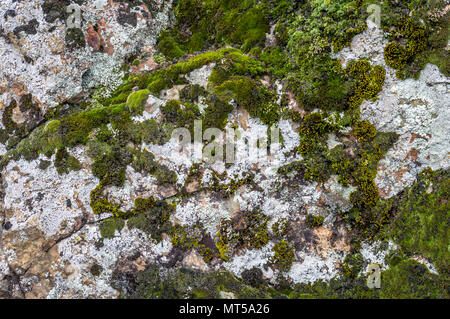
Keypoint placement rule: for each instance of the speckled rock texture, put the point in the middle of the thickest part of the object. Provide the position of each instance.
(56, 243)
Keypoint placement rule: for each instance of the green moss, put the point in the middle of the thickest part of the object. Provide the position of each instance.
(420, 225)
(152, 216)
(418, 34)
(280, 227)
(96, 270)
(368, 82)
(206, 252)
(111, 167)
(136, 101)
(410, 279)
(153, 132)
(186, 238)
(283, 255)
(156, 282)
(144, 161)
(352, 265)
(314, 221)
(341, 164)
(192, 92)
(364, 131)
(14, 132)
(108, 227)
(313, 125)
(244, 24)
(169, 47)
(251, 231)
(216, 114)
(43, 164)
(65, 163)
(180, 115)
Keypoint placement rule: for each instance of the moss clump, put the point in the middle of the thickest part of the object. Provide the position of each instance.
(96, 270)
(144, 161)
(109, 226)
(192, 92)
(152, 216)
(111, 166)
(244, 24)
(180, 115)
(43, 164)
(247, 231)
(280, 228)
(314, 221)
(312, 131)
(14, 132)
(75, 39)
(153, 132)
(418, 32)
(228, 189)
(341, 164)
(101, 204)
(364, 131)
(283, 255)
(168, 46)
(254, 97)
(253, 277)
(352, 265)
(410, 279)
(185, 237)
(368, 83)
(398, 55)
(136, 101)
(318, 27)
(65, 163)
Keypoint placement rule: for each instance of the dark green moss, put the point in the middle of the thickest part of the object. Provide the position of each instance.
(43, 164)
(418, 33)
(96, 270)
(152, 216)
(144, 161)
(185, 237)
(247, 231)
(156, 282)
(352, 265)
(314, 221)
(65, 163)
(242, 23)
(109, 226)
(420, 225)
(168, 46)
(111, 167)
(75, 39)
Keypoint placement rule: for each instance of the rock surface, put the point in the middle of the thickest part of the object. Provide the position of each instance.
(51, 241)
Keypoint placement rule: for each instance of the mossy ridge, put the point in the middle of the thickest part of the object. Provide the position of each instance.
(418, 34)
(164, 77)
(235, 75)
(148, 214)
(405, 278)
(156, 282)
(62, 132)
